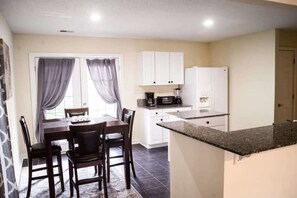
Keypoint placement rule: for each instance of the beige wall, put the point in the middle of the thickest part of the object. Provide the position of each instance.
(194, 54)
(251, 60)
(6, 35)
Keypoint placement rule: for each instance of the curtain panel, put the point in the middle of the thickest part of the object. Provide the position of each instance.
(104, 75)
(53, 78)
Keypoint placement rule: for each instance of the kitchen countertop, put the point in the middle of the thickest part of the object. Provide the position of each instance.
(197, 114)
(165, 106)
(241, 142)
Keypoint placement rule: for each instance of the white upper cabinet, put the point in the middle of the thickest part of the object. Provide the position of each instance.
(147, 69)
(161, 68)
(176, 67)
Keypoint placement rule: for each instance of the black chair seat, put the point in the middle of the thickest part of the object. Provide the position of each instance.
(78, 158)
(40, 149)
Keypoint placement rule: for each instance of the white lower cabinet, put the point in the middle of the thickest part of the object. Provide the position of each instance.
(218, 122)
(153, 135)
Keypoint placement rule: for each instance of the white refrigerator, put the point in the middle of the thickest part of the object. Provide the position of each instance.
(206, 88)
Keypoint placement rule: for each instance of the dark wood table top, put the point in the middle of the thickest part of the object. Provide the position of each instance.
(57, 128)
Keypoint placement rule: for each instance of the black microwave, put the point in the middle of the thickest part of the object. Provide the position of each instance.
(165, 100)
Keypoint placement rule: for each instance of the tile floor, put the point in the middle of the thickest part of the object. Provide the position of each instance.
(152, 171)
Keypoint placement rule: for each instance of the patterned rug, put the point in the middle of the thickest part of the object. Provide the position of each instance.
(116, 188)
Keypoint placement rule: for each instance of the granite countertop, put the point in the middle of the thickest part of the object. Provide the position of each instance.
(241, 142)
(165, 106)
(197, 114)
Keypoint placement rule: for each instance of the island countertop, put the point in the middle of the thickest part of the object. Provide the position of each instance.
(241, 142)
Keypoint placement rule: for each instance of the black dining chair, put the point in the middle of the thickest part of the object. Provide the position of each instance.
(70, 112)
(88, 152)
(117, 140)
(37, 151)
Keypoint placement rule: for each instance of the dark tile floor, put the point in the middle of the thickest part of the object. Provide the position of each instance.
(152, 171)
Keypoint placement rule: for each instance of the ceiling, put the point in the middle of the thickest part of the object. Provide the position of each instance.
(149, 19)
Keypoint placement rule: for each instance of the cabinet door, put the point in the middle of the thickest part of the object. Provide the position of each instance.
(156, 132)
(176, 68)
(162, 68)
(165, 131)
(147, 68)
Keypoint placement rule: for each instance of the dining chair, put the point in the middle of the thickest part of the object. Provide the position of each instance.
(70, 112)
(38, 151)
(88, 152)
(117, 140)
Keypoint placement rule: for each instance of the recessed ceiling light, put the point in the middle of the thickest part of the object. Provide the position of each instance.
(208, 23)
(95, 17)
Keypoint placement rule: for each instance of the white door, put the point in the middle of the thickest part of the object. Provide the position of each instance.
(147, 62)
(156, 132)
(162, 68)
(176, 68)
(284, 86)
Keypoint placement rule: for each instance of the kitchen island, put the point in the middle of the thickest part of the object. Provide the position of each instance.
(257, 162)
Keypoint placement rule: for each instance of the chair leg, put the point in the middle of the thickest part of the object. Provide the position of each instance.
(132, 162)
(76, 182)
(104, 181)
(70, 178)
(100, 173)
(108, 163)
(60, 171)
(29, 176)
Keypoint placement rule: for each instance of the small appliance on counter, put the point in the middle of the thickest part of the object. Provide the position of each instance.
(177, 93)
(150, 99)
(165, 100)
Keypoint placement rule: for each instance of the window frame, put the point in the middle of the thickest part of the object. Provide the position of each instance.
(33, 62)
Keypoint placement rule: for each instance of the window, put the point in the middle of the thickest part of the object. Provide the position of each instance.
(81, 92)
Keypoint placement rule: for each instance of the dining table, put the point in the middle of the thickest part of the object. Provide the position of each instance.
(58, 129)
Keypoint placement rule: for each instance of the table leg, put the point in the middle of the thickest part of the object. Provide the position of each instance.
(127, 164)
(49, 164)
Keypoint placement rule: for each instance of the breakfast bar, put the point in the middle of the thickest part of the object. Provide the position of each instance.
(255, 162)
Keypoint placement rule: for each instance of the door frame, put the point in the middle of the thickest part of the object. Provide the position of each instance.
(33, 73)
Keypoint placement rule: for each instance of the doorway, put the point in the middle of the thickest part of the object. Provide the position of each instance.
(286, 86)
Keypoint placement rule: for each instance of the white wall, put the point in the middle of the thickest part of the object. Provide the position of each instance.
(251, 60)
(6, 35)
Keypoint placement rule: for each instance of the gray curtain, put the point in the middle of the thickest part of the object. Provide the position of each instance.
(104, 75)
(53, 79)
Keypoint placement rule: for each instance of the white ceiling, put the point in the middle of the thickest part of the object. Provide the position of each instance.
(151, 19)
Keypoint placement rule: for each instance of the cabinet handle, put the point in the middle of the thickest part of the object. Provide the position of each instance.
(154, 82)
(171, 81)
(161, 119)
(207, 122)
(156, 113)
(168, 81)
(177, 111)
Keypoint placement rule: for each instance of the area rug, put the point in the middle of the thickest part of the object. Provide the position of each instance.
(116, 188)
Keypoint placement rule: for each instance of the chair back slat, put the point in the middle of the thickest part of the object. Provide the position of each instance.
(88, 137)
(128, 117)
(26, 134)
(70, 112)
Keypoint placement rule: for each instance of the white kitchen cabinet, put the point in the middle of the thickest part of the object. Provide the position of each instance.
(161, 68)
(176, 73)
(217, 122)
(153, 135)
(147, 68)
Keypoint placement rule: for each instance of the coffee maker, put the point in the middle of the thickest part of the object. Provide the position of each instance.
(177, 94)
(149, 99)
